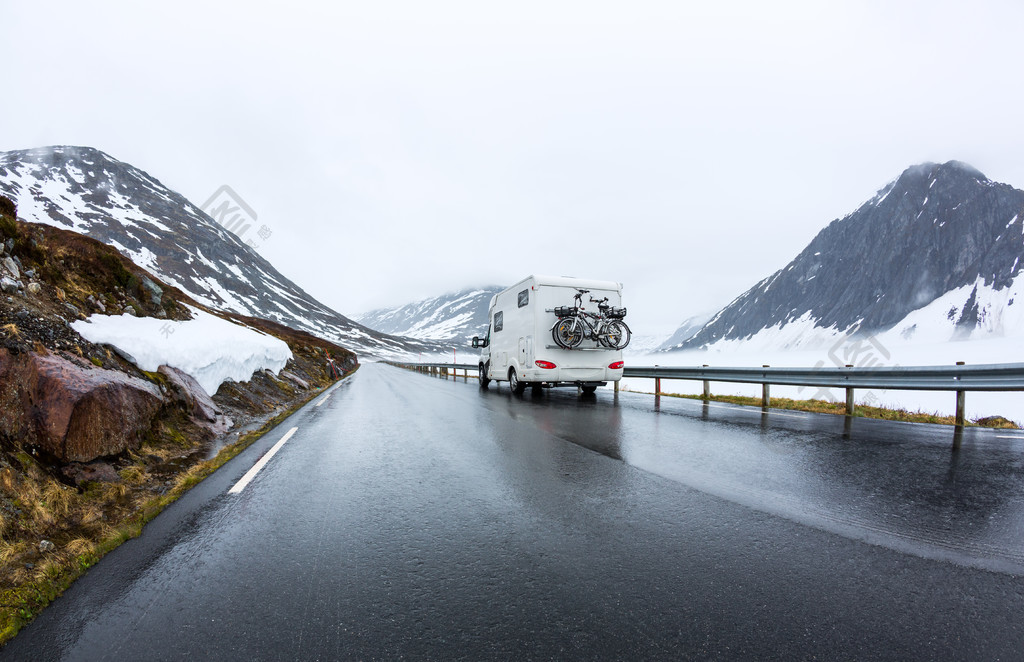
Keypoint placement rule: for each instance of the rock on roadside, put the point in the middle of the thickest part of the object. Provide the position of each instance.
(199, 405)
(72, 412)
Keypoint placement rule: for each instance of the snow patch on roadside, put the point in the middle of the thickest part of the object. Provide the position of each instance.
(210, 349)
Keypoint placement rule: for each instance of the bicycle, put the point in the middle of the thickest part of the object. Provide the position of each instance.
(575, 323)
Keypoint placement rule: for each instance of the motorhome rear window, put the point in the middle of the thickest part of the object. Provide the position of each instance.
(499, 319)
(524, 298)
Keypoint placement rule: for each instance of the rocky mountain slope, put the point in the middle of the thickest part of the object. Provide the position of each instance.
(52, 376)
(83, 189)
(939, 236)
(456, 316)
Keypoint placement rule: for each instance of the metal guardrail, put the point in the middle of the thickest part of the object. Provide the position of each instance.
(437, 366)
(443, 369)
(959, 378)
(997, 377)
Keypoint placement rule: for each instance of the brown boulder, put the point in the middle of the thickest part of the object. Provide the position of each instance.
(72, 412)
(197, 402)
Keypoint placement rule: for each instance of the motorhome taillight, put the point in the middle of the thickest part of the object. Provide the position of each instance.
(547, 365)
(617, 365)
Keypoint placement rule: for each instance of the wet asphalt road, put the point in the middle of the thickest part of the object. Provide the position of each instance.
(411, 517)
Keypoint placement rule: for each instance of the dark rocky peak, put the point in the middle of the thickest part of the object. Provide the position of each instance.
(935, 228)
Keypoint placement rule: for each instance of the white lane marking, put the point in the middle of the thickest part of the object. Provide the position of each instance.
(249, 475)
(1008, 436)
(328, 394)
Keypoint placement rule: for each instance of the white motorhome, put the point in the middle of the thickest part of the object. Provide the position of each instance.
(520, 348)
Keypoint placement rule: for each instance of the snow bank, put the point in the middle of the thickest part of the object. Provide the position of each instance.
(209, 348)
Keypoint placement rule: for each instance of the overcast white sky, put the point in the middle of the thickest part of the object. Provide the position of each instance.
(398, 150)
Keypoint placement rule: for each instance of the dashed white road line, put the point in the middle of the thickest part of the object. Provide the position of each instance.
(328, 394)
(249, 475)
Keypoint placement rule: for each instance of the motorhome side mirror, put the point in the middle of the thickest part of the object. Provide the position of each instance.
(476, 343)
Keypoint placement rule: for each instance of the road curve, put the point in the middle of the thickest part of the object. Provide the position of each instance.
(407, 516)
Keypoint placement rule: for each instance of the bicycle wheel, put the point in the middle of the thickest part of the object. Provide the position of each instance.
(615, 334)
(568, 333)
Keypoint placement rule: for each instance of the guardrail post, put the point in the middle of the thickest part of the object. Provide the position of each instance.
(766, 397)
(707, 387)
(961, 403)
(849, 398)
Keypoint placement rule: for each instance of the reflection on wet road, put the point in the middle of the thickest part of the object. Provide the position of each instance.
(412, 517)
(896, 484)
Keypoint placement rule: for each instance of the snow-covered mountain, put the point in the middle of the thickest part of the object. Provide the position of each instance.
(83, 189)
(688, 329)
(457, 316)
(934, 255)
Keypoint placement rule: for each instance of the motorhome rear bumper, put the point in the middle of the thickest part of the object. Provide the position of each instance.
(584, 376)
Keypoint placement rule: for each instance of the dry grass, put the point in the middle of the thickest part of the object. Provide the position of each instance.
(58, 499)
(79, 546)
(8, 481)
(116, 491)
(11, 330)
(133, 475)
(42, 500)
(11, 550)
